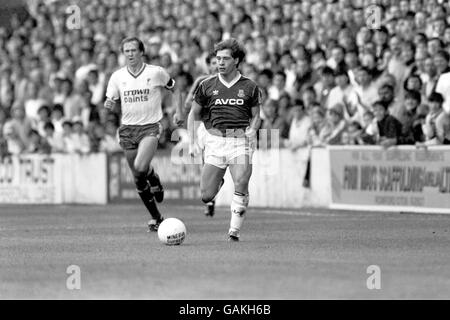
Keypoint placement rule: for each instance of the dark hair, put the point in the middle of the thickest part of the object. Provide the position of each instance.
(237, 50)
(327, 71)
(58, 107)
(380, 103)
(266, 72)
(46, 108)
(436, 97)
(444, 54)
(211, 55)
(141, 46)
(68, 123)
(49, 125)
(412, 76)
(413, 94)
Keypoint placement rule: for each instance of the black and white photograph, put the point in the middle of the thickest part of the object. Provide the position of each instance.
(236, 152)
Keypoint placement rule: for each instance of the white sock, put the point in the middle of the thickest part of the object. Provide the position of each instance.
(238, 207)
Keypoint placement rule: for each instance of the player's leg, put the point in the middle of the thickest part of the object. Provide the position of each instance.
(155, 184)
(210, 206)
(142, 163)
(241, 171)
(211, 181)
(139, 161)
(201, 138)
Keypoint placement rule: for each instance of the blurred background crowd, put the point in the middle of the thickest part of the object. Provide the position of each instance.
(327, 73)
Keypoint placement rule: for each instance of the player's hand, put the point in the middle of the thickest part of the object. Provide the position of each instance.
(110, 104)
(194, 149)
(250, 133)
(178, 119)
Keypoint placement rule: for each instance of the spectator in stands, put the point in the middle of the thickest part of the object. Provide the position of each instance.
(353, 134)
(335, 125)
(411, 124)
(36, 144)
(78, 141)
(317, 123)
(54, 141)
(57, 117)
(299, 127)
(17, 130)
(109, 143)
(389, 128)
(437, 123)
(272, 125)
(278, 87)
(429, 76)
(441, 61)
(324, 85)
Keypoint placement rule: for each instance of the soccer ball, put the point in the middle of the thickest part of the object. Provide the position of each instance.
(172, 231)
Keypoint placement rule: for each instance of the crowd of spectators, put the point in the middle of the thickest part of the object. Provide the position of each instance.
(327, 75)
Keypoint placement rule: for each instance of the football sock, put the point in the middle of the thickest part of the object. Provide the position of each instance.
(149, 202)
(152, 178)
(238, 207)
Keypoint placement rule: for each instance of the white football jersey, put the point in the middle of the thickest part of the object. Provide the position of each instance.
(140, 94)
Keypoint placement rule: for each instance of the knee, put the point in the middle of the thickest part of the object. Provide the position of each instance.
(208, 196)
(241, 183)
(140, 168)
(140, 179)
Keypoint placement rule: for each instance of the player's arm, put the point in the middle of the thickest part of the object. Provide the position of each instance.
(190, 95)
(194, 119)
(168, 85)
(112, 101)
(255, 121)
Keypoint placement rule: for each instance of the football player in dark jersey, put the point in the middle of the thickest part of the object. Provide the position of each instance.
(211, 62)
(228, 104)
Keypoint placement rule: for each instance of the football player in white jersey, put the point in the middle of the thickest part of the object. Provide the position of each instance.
(140, 89)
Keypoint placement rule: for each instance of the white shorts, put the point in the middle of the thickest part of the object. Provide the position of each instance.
(223, 151)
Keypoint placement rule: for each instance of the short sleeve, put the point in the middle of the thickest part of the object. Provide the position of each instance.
(200, 95)
(112, 90)
(164, 80)
(256, 99)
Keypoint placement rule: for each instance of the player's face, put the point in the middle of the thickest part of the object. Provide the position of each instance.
(226, 63)
(132, 53)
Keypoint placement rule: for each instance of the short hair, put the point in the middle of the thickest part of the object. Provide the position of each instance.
(211, 55)
(436, 97)
(49, 125)
(67, 123)
(327, 71)
(141, 46)
(380, 103)
(266, 72)
(58, 107)
(413, 94)
(444, 54)
(45, 108)
(237, 50)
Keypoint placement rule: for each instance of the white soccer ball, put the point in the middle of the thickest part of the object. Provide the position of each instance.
(172, 231)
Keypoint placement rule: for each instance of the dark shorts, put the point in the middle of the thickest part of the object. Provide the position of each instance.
(131, 135)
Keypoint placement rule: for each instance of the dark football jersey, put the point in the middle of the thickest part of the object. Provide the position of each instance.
(227, 108)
